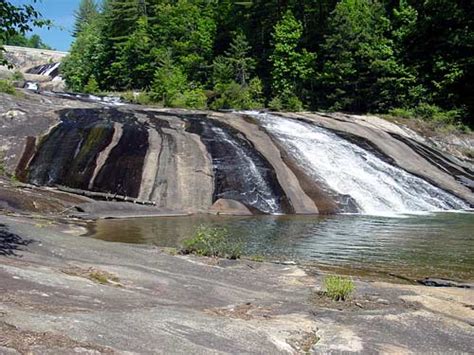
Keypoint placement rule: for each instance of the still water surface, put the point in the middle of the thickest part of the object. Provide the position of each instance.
(436, 245)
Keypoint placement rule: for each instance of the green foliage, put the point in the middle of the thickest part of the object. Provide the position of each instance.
(3, 170)
(338, 288)
(17, 76)
(85, 14)
(141, 98)
(360, 71)
(169, 82)
(240, 97)
(21, 40)
(136, 62)
(449, 120)
(190, 98)
(16, 21)
(239, 60)
(187, 28)
(287, 101)
(225, 54)
(214, 242)
(257, 258)
(290, 66)
(91, 87)
(6, 87)
(83, 61)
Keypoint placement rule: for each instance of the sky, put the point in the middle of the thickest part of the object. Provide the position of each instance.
(61, 12)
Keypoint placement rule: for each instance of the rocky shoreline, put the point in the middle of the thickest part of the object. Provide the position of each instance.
(62, 293)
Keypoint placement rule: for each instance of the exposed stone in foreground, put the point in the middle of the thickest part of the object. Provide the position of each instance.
(74, 294)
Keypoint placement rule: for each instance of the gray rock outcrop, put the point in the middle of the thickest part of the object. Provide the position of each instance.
(191, 162)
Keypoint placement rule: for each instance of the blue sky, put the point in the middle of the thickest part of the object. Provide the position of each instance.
(61, 12)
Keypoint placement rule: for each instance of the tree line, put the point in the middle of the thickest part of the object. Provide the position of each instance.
(347, 55)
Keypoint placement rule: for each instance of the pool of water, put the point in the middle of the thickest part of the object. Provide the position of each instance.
(436, 245)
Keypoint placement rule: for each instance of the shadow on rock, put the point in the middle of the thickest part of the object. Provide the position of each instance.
(10, 243)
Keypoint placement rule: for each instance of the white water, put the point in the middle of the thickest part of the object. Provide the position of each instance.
(378, 187)
(260, 195)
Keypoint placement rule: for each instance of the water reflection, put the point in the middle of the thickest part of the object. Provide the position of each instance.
(434, 245)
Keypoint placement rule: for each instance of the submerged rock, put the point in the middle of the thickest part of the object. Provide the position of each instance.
(224, 206)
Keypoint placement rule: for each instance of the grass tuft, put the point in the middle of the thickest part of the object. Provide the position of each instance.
(338, 288)
(213, 242)
(7, 87)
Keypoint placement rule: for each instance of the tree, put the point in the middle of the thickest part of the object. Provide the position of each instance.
(289, 65)
(17, 20)
(85, 13)
(84, 60)
(135, 64)
(188, 29)
(233, 86)
(238, 57)
(360, 71)
(445, 30)
(169, 81)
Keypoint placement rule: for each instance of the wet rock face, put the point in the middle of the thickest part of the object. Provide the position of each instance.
(68, 155)
(187, 161)
(241, 173)
(112, 152)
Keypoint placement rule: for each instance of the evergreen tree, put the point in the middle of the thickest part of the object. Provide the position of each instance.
(375, 55)
(360, 71)
(86, 12)
(238, 57)
(84, 62)
(187, 28)
(233, 86)
(135, 64)
(290, 66)
(441, 50)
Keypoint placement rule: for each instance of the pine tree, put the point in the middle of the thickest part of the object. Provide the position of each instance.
(87, 11)
(289, 65)
(238, 57)
(360, 71)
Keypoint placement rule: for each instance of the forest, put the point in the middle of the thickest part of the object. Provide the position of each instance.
(408, 57)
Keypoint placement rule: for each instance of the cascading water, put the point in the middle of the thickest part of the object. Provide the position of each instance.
(377, 187)
(51, 70)
(241, 173)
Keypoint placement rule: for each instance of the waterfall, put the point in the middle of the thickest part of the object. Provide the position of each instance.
(51, 70)
(377, 187)
(240, 172)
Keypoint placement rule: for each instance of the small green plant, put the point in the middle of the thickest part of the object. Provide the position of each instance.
(214, 242)
(18, 75)
(92, 87)
(102, 277)
(441, 120)
(7, 88)
(3, 170)
(257, 258)
(171, 251)
(339, 288)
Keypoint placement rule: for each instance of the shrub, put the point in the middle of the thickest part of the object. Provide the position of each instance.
(286, 102)
(137, 97)
(92, 87)
(232, 95)
(338, 288)
(195, 98)
(7, 88)
(443, 120)
(18, 75)
(3, 170)
(214, 242)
